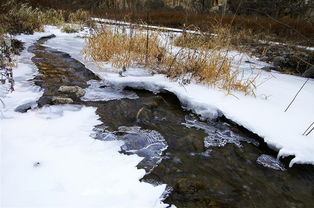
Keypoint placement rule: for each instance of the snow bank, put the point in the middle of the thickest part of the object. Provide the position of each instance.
(263, 115)
(48, 158)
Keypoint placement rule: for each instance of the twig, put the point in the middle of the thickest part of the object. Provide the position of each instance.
(297, 94)
(2, 103)
(308, 130)
(147, 38)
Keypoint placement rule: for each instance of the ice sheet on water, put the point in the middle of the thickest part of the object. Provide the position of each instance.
(98, 91)
(148, 144)
(145, 143)
(217, 137)
(270, 162)
(101, 133)
(57, 111)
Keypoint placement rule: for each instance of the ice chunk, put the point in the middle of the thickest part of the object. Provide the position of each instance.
(270, 162)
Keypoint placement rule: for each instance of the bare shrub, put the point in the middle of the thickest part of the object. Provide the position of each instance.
(21, 18)
(6, 61)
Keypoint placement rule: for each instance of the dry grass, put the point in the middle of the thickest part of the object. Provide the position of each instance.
(209, 66)
(79, 17)
(51, 17)
(22, 18)
(206, 64)
(69, 28)
(220, 38)
(283, 29)
(122, 49)
(17, 17)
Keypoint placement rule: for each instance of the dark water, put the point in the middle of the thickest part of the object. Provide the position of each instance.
(206, 163)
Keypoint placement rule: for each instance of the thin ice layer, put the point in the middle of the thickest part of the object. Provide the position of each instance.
(145, 143)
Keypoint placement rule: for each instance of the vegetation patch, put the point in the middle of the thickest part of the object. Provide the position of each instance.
(6, 61)
(17, 17)
(69, 29)
(142, 48)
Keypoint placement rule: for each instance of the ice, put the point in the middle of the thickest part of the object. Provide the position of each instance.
(206, 153)
(98, 91)
(148, 144)
(270, 162)
(217, 137)
(101, 133)
(52, 112)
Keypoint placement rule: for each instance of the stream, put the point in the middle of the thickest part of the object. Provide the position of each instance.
(204, 163)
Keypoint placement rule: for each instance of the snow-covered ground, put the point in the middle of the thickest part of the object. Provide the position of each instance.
(48, 158)
(263, 114)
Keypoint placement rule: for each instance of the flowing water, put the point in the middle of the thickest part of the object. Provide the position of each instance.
(204, 163)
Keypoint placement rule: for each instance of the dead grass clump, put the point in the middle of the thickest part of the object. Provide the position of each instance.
(52, 17)
(122, 49)
(212, 67)
(69, 28)
(81, 17)
(23, 19)
(19, 17)
(218, 38)
(208, 64)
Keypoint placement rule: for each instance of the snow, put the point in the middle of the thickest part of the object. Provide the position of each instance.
(128, 24)
(263, 114)
(48, 158)
(98, 91)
